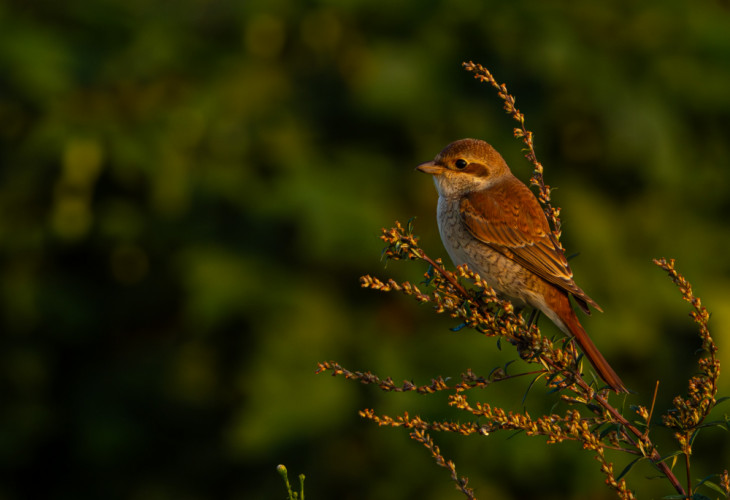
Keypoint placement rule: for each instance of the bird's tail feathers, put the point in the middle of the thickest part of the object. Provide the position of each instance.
(592, 353)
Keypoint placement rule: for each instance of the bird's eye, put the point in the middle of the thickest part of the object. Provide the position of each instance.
(460, 164)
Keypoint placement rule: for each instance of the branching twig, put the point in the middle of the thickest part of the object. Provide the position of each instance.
(461, 482)
(464, 295)
(552, 213)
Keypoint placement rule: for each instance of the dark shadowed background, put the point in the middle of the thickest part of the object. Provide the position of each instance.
(190, 190)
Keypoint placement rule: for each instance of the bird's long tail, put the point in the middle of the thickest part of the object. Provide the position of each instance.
(592, 353)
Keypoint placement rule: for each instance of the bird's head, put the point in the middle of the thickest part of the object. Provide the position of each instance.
(465, 166)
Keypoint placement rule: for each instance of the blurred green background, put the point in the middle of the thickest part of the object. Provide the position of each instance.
(190, 190)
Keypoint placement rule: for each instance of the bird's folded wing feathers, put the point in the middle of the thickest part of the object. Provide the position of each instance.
(516, 227)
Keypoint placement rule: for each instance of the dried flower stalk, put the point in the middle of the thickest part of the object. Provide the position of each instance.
(591, 419)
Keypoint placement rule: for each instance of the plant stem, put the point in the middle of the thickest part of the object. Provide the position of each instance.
(686, 463)
(654, 456)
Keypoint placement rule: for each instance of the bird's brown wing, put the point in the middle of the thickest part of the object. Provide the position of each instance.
(508, 218)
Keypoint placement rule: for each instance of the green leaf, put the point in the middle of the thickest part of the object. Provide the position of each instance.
(410, 225)
(628, 467)
(671, 455)
(713, 486)
(529, 387)
(721, 400)
(517, 432)
(722, 424)
(608, 429)
(694, 435)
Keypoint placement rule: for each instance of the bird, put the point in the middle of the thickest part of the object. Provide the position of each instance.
(491, 221)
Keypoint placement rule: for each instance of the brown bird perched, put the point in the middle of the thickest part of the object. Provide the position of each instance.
(492, 222)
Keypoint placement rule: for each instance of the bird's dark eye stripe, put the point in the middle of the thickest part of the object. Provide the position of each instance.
(460, 163)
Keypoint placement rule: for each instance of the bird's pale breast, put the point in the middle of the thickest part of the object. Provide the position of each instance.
(506, 276)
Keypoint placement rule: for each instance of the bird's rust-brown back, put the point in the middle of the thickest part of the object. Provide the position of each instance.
(507, 217)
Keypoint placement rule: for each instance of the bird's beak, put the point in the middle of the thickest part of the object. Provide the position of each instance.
(430, 168)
